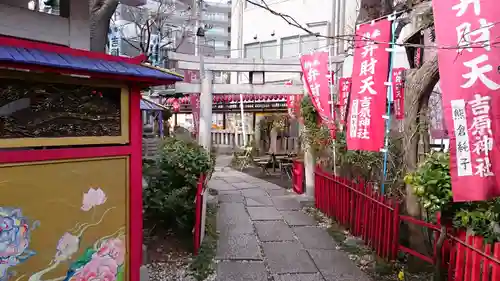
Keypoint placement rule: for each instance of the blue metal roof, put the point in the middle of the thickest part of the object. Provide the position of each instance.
(65, 61)
(150, 105)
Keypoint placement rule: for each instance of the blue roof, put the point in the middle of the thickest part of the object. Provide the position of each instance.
(65, 61)
(150, 105)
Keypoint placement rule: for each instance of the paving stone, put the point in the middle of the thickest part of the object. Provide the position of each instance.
(286, 203)
(270, 186)
(244, 185)
(264, 213)
(231, 210)
(231, 191)
(299, 277)
(253, 192)
(298, 218)
(220, 185)
(233, 179)
(241, 271)
(277, 192)
(288, 257)
(314, 238)
(236, 227)
(230, 198)
(273, 231)
(336, 265)
(238, 247)
(259, 201)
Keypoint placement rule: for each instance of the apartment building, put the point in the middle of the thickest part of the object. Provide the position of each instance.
(174, 23)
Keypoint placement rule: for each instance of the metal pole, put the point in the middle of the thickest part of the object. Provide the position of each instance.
(385, 150)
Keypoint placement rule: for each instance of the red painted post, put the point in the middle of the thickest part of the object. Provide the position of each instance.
(395, 230)
(487, 263)
(495, 275)
(459, 266)
(476, 258)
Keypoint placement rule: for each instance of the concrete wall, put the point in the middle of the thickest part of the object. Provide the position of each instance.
(18, 21)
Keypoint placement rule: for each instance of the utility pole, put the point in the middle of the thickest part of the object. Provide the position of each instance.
(205, 130)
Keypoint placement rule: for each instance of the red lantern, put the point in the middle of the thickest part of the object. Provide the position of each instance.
(176, 105)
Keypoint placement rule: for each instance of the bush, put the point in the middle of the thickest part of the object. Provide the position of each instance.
(172, 180)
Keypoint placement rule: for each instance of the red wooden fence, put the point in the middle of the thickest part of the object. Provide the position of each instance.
(377, 220)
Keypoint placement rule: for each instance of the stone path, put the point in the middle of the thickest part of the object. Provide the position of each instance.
(265, 236)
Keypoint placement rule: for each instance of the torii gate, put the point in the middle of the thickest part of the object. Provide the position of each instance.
(256, 68)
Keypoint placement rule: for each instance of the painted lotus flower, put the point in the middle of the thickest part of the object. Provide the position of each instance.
(67, 246)
(14, 240)
(93, 198)
(104, 264)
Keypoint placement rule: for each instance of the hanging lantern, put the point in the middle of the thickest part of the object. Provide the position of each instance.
(176, 105)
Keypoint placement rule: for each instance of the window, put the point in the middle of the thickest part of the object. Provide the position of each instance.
(263, 50)
(268, 49)
(252, 50)
(308, 43)
(290, 47)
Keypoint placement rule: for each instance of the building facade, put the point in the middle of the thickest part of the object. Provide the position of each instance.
(174, 24)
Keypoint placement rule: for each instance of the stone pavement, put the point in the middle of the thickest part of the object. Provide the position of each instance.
(265, 236)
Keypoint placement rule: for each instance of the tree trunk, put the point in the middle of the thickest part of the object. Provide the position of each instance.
(101, 12)
(418, 88)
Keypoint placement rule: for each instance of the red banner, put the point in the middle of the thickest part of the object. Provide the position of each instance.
(365, 126)
(398, 92)
(317, 76)
(195, 107)
(470, 85)
(290, 101)
(344, 92)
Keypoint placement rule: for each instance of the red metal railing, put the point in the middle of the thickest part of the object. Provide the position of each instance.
(377, 220)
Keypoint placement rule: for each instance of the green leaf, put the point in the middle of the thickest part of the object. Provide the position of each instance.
(83, 259)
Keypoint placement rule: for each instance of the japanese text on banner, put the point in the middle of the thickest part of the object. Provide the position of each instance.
(470, 85)
(345, 91)
(398, 92)
(316, 74)
(368, 92)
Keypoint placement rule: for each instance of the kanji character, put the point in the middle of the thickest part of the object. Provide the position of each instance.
(479, 73)
(363, 133)
(480, 105)
(464, 5)
(464, 162)
(368, 67)
(483, 167)
(458, 113)
(481, 125)
(482, 145)
(367, 86)
(369, 48)
(312, 74)
(462, 146)
(460, 131)
(482, 35)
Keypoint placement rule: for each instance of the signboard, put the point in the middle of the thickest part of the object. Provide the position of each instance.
(365, 126)
(470, 85)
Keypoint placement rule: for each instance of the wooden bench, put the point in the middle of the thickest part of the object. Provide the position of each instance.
(262, 163)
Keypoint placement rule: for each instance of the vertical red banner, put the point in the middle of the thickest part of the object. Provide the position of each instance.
(317, 76)
(344, 92)
(290, 101)
(195, 109)
(398, 89)
(470, 85)
(365, 126)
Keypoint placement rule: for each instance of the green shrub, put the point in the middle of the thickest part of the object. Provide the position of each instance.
(172, 180)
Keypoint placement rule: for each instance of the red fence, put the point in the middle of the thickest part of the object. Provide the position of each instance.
(377, 219)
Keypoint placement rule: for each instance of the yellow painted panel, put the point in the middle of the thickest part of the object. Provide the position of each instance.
(65, 219)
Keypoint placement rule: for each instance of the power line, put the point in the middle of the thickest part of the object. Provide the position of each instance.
(352, 38)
